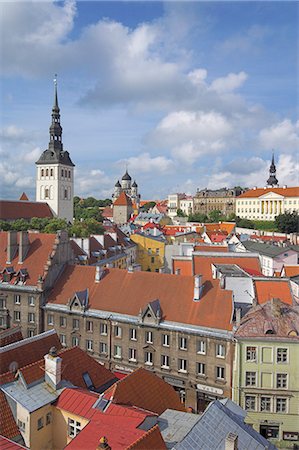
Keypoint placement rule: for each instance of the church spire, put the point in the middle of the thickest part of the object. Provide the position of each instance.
(272, 180)
(55, 127)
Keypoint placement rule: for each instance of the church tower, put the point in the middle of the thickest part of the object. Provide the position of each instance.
(55, 170)
(272, 180)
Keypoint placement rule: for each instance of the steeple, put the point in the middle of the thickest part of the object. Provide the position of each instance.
(272, 180)
(55, 127)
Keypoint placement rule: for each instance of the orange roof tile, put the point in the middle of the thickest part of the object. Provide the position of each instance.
(227, 227)
(24, 197)
(145, 390)
(123, 200)
(7, 444)
(267, 289)
(285, 192)
(175, 294)
(211, 248)
(41, 246)
(12, 210)
(291, 271)
(150, 440)
(8, 427)
(28, 350)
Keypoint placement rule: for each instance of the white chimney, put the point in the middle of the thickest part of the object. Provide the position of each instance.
(198, 287)
(99, 274)
(178, 271)
(231, 442)
(53, 368)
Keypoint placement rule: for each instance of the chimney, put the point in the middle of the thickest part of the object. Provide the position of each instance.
(238, 317)
(24, 245)
(275, 307)
(12, 246)
(99, 274)
(231, 442)
(52, 368)
(161, 270)
(178, 271)
(198, 287)
(130, 269)
(103, 444)
(222, 282)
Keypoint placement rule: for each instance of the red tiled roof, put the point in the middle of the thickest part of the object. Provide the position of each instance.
(41, 246)
(24, 197)
(7, 444)
(12, 210)
(28, 350)
(77, 401)
(145, 390)
(77, 249)
(123, 200)
(10, 335)
(276, 288)
(175, 294)
(150, 440)
(75, 362)
(291, 271)
(211, 248)
(227, 227)
(285, 192)
(8, 427)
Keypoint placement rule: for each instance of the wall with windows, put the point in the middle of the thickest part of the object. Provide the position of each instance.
(150, 252)
(66, 426)
(266, 384)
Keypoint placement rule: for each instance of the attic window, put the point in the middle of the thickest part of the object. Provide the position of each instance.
(88, 381)
(292, 333)
(149, 315)
(269, 331)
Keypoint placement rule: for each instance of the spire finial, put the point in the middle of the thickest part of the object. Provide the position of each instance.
(55, 91)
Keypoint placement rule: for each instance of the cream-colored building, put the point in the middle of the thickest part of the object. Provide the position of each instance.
(267, 203)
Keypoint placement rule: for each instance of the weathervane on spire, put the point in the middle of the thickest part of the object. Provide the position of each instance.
(55, 79)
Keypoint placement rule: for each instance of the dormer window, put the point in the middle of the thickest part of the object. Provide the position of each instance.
(22, 275)
(7, 274)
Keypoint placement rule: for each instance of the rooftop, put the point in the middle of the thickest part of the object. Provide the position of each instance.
(123, 200)
(285, 192)
(20, 209)
(10, 335)
(265, 249)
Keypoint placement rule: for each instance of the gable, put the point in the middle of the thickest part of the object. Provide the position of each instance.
(271, 196)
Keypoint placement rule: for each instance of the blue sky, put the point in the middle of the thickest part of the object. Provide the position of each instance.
(188, 94)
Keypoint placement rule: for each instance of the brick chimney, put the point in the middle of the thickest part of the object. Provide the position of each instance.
(52, 368)
(231, 442)
(12, 246)
(24, 245)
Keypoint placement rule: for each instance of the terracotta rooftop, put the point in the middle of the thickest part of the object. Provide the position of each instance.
(273, 288)
(41, 246)
(145, 390)
(211, 248)
(150, 440)
(290, 271)
(8, 427)
(10, 335)
(123, 200)
(20, 209)
(7, 444)
(285, 192)
(21, 353)
(24, 197)
(75, 362)
(175, 294)
(270, 320)
(227, 227)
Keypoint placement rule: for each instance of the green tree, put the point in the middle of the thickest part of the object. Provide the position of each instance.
(55, 224)
(85, 228)
(20, 225)
(287, 222)
(198, 217)
(215, 215)
(180, 213)
(6, 226)
(90, 202)
(148, 206)
(38, 223)
(105, 202)
(244, 223)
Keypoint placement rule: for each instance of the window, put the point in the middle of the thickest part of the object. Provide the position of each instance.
(133, 334)
(74, 427)
(46, 193)
(2, 303)
(89, 326)
(201, 347)
(87, 380)
(42, 172)
(165, 361)
(65, 193)
(89, 345)
(17, 299)
(30, 333)
(220, 351)
(76, 324)
(132, 354)
(103, 328)
(152, 259)
(250, 403)
(51, 172)
(62, 172)
(149, 337)
(117, 331)
(50, 319)
(182, 365)
(40, 423)
(21, 425)
(250, 379)
(183, 343)
(281, 405)
(281, 380)
(31, 317)
(31, 300)
(17, 316)
(62, 338)
(250, 353)
(200, 369)
(220, 373)
(266, 404)
(165, 340)
(117, 351)
(148, 358)
(282, 355)
(75, 341)
(62, 321)
(103, 347)
(48, 418)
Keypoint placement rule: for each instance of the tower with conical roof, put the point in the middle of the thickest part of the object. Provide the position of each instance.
(55, 170)
(129, 188)
(272, 180)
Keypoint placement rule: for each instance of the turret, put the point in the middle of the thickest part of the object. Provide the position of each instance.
(272, 180)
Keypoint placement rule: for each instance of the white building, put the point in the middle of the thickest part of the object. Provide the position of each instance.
(55, 171)
(180, 201)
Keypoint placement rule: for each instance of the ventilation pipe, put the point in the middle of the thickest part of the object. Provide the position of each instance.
(198, 287)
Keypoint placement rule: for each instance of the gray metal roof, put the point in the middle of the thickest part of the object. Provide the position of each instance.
(265, 249)
(175, 425)
(213, 427)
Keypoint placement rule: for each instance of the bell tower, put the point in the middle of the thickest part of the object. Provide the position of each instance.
(55, 170)
(272, 180)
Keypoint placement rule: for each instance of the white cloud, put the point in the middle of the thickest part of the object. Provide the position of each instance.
(93, 183)
(144, 163)
(229, 83)
(282, 136)
(32, 156)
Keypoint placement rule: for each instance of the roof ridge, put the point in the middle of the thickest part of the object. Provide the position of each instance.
(147, 433)
(28, 340)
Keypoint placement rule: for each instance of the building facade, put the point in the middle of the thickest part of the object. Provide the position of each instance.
(122, 209)
(150, 251)
(223, 200)
(55, 171)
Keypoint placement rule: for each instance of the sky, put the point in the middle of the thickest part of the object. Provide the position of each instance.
(188, 95)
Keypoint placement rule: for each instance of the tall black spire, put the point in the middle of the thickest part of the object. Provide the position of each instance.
(272, 180)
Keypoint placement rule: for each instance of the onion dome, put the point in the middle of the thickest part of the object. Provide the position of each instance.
(134, 184)
(126, 177)
(117, 184)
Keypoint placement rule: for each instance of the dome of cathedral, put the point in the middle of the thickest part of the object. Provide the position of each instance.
(134, 184)
(126, 177)
(117, 184)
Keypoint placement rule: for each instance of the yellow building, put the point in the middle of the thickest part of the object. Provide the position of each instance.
(151, 251)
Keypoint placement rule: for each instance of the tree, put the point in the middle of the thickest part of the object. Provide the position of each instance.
(5, 226)
(85, 228)
(54, 225)
(288, 222)
(38, 223)
(20, 225)
(244, 223)
(180, 213)
(148, 206)
(215, 215)
(198, 217)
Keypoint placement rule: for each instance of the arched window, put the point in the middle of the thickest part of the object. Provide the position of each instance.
(47, 192)
(42, 172)
(69, 174)
(51, 172)
(65, 194)
(47, 172)
(62, 172)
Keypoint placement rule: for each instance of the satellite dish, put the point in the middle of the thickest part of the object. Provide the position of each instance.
(13, 366)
